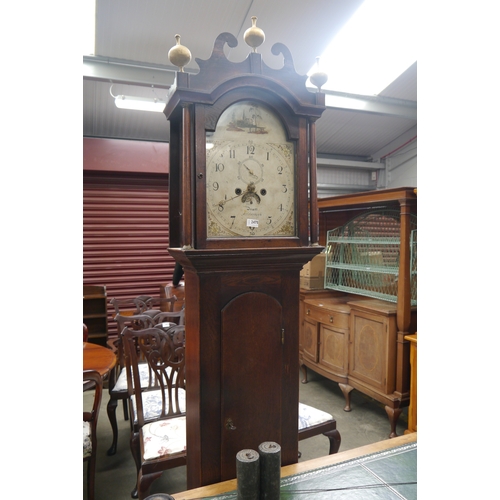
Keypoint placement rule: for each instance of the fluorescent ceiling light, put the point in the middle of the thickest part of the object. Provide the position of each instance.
(373, 48)
(140, 103)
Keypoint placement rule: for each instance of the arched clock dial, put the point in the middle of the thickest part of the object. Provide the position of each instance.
(250, 174)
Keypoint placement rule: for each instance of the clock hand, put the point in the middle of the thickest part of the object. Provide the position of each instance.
(223, 202)
(250, 191)
(250, 172)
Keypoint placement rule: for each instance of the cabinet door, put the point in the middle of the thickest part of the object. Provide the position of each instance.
(373, 350)
(251, 375)
(333, 351)
(310, 339)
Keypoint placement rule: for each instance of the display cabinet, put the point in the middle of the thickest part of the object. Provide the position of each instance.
(369, 352)
(337, 211)
(95, 315)
(363, 255)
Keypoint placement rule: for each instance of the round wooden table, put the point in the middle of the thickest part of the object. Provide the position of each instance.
(96, 357)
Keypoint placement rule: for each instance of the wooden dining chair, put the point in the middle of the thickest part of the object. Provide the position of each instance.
(118, 377)
(158, 438)
(154, 305)
(313, 422)
(124, 306)
(90, 429)
(175, 317)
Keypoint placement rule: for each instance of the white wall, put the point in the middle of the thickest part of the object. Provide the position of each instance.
(393, 166)
(401, 167)
(400, 158)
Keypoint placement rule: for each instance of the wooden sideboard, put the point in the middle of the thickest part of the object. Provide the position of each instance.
(353, 340)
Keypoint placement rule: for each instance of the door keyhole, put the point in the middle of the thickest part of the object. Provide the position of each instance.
(229, 425)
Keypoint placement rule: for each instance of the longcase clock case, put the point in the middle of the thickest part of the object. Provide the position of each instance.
(241, 291)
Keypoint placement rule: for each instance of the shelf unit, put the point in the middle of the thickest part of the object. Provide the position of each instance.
(363, 256)
(95, 313)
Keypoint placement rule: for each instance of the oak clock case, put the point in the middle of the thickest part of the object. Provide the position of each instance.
(242, 153)
(250, 174)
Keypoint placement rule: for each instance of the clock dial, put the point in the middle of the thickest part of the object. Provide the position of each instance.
(250, 174)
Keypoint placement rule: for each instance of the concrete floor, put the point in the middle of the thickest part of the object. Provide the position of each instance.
(366, 423)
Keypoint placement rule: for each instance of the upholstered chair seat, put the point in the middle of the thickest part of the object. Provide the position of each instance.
(152, 404)
(313, 421)
(163, 438)
(87, 440)
(309, 416)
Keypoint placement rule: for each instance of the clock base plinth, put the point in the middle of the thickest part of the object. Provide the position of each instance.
(242, 328)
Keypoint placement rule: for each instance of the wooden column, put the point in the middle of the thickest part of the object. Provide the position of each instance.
(313, 180)
(404, 302)
(186, 167)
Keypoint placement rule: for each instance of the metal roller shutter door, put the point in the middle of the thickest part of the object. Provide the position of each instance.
(125, 235)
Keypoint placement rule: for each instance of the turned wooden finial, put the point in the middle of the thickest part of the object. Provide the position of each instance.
(254, 36)
(318, 78)
(179, 55)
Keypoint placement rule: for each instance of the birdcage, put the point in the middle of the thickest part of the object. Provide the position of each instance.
(363, 256)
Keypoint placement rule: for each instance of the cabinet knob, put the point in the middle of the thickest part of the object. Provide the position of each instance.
(331, 319)
(308, 312)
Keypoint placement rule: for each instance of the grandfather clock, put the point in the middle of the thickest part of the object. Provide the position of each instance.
(242, 153)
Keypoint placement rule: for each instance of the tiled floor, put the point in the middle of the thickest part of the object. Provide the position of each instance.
(367, 423)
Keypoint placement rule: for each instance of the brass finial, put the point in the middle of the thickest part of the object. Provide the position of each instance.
(254, 36)
(179, 55)
(318, 78)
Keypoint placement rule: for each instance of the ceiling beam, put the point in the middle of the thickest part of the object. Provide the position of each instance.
(128, 72)
(371, 104)
(330, 162)
(163, 77)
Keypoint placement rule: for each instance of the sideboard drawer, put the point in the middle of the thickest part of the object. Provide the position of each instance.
(333, 312)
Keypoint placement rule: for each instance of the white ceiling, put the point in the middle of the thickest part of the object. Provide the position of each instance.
(132, 43)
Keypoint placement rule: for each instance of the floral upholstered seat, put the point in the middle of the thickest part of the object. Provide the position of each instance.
(121, 382)
(168, 437)
(313, 421)
(152, 404)
(87, 440)
(164, 437)
(309, 416)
